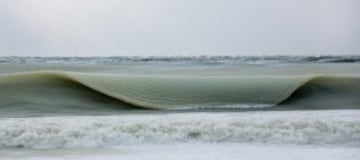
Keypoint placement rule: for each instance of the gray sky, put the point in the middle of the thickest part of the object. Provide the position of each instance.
(178, 27)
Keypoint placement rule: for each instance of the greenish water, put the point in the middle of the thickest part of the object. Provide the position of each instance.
(100, 89)
(137, 110)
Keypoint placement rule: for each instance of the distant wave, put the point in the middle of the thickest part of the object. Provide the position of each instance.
(182, 59)
(74, 92)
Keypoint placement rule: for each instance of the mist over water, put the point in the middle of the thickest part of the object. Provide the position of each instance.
(168, 27)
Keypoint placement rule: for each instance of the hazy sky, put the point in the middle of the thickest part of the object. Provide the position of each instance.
(178, 27)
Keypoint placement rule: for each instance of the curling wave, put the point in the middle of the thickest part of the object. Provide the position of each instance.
(72, 92)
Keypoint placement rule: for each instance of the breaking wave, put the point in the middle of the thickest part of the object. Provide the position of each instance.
(70, 91)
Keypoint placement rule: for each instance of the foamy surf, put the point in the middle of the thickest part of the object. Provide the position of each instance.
(196, 151)
(340, 127)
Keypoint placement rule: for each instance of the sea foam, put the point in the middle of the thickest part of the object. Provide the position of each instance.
(338, 127)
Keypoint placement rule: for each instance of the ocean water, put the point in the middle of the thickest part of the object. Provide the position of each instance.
(180, 107)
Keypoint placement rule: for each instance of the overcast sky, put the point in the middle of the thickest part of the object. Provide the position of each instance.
(178, 27)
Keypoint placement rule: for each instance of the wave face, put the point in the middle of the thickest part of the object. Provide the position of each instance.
(47, 93)
(279, 127)
(70, 92)
(327, 93)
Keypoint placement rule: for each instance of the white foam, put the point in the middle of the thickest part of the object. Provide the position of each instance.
(283, 127)
(191, 151)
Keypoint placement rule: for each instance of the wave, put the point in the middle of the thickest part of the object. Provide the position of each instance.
(182, 59)
(73, 92)
(285, 127)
